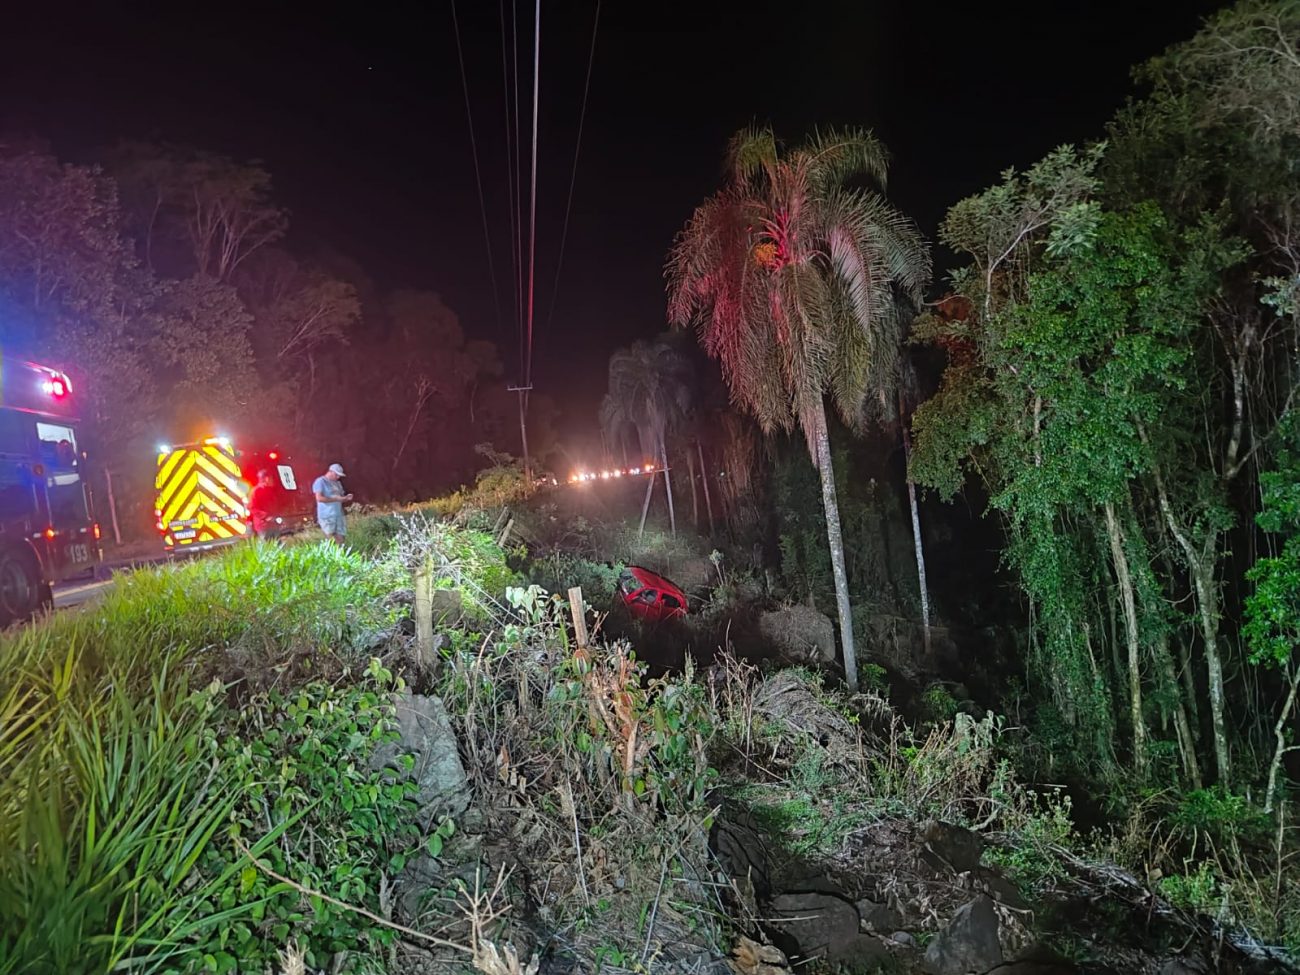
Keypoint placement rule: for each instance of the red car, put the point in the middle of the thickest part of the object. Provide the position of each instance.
(649, 596)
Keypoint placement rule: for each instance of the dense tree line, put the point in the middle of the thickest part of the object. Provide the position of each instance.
(163, 279)
(1116, 385)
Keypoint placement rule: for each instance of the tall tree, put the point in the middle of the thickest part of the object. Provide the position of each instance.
(650, 383)
(216, 210)
(793, 274)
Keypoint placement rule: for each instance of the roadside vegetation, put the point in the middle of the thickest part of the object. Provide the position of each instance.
(205, 772)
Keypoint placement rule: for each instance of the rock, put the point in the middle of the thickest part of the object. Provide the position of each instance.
(1183, 965)
(751, 958)
(969, 943)
(788, 698)
(903, 938)
(424, 732)
(823, 926)
(878, 918)
(1002, 890)
(951, 846)
(1037, 959)
(738, 842)
(448, 607)
(690, 574)
(800, 632)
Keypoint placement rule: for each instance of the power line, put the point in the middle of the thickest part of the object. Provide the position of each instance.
(511, 189)
(519, 183)
(478, 176)
(532, 218)
(573, 176)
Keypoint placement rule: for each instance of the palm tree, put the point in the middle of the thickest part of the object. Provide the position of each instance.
(650, 386)
(793, 274)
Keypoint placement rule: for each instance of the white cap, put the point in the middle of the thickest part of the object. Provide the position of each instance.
(337, 469)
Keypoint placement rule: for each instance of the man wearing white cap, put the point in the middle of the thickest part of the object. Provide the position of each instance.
(329, 503)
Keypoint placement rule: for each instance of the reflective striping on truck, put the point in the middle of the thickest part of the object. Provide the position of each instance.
(202, 497)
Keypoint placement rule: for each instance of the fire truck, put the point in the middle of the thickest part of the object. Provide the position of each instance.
(203, 493)
(47, 531)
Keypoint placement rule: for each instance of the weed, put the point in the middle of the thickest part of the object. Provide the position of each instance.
(1195, 891)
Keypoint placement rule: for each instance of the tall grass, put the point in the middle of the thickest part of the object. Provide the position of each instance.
(111, 786)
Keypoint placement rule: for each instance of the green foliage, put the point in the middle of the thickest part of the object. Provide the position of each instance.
(1061, 378)
(460, 558)
(1272, 625)
(503, 482)
(103, 748)
(560, 571)
(105, 813)
(1219, 815)
(300, 761)
(938, 704)
(1033, 860)
(805, 556)
(1195, 891)
(372, 535)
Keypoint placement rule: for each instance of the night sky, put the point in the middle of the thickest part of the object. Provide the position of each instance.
(361, 119)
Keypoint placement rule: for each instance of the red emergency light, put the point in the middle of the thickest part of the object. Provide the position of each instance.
(57, 386)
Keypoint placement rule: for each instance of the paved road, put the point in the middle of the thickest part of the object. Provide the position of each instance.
(75, 593)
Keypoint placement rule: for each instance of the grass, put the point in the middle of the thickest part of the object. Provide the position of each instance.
(110, 789)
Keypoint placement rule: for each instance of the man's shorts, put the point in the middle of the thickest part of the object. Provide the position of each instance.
(333, 524)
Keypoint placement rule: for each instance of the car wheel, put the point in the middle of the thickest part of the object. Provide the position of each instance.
(20, 589)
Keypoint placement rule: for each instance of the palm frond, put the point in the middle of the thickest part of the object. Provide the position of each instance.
(838, 155)
(752, 152)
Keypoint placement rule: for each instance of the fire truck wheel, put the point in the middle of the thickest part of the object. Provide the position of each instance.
(20, 588)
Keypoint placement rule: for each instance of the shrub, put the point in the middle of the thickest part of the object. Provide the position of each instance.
(104, 749)
(560, 571)
(300, 760)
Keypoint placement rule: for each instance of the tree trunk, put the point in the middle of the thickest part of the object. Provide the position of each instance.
(645, 505)
(916, 523)
(835, 538)
(1165, 661)
(1279, 733)
(668, 486)
(1186, 742)
(695, 501)
(1207, 602)
(1200, 566)
(1129, 606)
(704, 480)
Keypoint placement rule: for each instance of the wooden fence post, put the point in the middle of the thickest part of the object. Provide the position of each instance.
(579, 617)
(424, 615)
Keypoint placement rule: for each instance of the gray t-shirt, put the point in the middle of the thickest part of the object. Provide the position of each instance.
(331, 489)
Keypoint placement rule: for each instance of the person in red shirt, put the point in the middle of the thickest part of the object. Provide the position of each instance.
(259, 506)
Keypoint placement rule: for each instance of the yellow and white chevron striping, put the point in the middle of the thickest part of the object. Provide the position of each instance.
(202, 496)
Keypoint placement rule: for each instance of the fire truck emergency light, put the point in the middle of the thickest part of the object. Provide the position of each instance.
(56, 385)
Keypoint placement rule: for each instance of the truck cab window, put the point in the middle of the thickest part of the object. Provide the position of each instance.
(67, 494)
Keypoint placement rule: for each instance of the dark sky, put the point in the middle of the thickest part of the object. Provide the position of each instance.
(361, 119)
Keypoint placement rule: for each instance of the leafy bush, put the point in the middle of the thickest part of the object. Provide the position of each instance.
(938, 704)
(372, 535)
(1195, 891)
(300, 761)
(560, 571)
(103, 747)
(1219, 814)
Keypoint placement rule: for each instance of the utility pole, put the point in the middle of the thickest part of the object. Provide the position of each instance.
(523, 427)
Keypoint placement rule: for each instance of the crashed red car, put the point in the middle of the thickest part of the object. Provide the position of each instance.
(649, 596)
